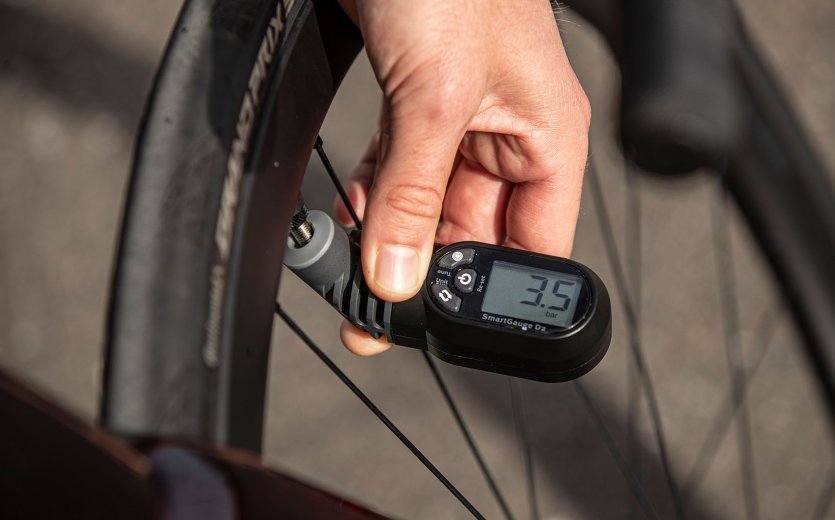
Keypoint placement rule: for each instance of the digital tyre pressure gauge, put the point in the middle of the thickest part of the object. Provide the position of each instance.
(482, 306)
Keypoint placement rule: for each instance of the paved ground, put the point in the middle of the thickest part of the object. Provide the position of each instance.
(72, 85)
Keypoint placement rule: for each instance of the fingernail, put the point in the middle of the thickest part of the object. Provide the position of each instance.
(378, 345)
(396, 268)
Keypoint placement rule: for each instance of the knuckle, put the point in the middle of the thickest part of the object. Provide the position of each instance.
(414, 202)
(439, 106)
(543, 157)
(433, 91)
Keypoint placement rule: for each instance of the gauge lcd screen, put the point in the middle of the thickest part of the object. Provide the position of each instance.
(527, 293)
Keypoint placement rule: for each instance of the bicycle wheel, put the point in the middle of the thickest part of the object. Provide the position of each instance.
(234, 115)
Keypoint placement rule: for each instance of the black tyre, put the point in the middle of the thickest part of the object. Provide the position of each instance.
(234, 112)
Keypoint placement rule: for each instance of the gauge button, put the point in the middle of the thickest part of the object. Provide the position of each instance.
(465, 280)
(457, 257)
(444, 296)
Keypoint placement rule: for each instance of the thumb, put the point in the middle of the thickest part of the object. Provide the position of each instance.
(405, 201)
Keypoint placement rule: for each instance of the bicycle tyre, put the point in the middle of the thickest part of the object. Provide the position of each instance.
(214, 178)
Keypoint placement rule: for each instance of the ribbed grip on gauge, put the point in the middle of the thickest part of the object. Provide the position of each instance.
(330, 264)
(359, 304)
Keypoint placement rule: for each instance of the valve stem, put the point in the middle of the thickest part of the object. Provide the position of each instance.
(301, 230)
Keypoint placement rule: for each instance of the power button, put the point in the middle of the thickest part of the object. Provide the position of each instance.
(465, 280)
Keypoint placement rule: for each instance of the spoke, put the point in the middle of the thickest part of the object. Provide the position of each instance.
(320, 149)
(625, 469)
(736, 371)
(633, 417)
(518, 406)
(724, 416)
(488, 477)
(634, 344)
(376, 411)
(633, 255)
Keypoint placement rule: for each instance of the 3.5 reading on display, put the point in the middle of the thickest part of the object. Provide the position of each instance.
(532, 294)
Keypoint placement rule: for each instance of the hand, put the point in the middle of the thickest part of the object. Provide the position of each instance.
(484, 127)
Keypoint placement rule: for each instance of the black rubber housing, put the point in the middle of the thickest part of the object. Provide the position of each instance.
(560, 355)
(331, 267)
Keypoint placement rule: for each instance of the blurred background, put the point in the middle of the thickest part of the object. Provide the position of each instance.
(73, 81)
